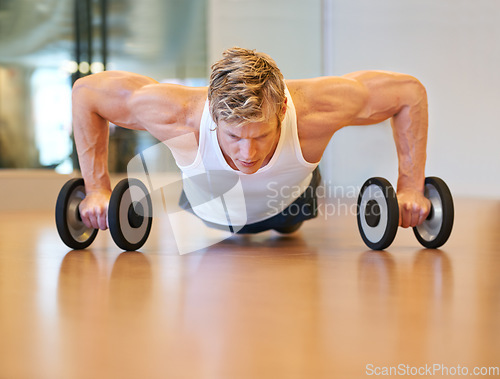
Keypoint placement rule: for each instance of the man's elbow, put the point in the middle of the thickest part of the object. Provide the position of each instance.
(85, 90)
(84, 96)
(411, 93)
(84, 81)
(79, 88)
(416, 89)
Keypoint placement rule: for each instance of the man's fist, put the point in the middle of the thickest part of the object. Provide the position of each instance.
(414, 208)
(94, 209)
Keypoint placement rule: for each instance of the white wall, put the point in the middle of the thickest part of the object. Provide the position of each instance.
(287, 30)
(452, 46)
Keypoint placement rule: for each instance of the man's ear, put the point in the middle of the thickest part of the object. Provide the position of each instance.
(283, 109)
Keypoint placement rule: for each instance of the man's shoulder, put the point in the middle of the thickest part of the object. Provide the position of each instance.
(324, 104)
(319, 85)
(179, 100)
(166, 110)
(176, 93)
(323, 95)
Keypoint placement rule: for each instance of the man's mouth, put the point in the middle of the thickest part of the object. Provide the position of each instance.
(248, 163)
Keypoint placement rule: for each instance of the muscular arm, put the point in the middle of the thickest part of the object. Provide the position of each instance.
(96, 100)
(403, 99)
(370, 97)
(127, 100)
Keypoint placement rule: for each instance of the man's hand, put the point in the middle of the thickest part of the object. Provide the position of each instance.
(94, 209)
(414, 208)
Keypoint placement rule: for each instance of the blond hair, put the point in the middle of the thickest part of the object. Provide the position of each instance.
(245, 86)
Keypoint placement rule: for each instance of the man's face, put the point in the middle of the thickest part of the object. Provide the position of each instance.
(250, 146)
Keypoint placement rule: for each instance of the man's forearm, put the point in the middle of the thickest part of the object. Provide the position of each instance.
(91, 133)
(410, 134)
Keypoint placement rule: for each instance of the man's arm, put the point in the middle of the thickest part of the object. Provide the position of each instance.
(96, 100)
(325, 105)
(403, 99)
(131, 101)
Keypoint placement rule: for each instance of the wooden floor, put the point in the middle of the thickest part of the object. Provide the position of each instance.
(318, 305)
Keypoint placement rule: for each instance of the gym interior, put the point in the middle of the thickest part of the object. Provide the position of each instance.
(195, 303)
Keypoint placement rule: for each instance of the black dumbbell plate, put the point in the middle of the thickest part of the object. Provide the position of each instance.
(70, 227)
(435, 231)
(130, 214)
(377, 213)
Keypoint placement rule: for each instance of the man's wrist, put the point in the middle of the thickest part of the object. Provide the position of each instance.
(411, 184)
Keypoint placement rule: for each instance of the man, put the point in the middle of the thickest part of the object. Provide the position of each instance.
(251, 122)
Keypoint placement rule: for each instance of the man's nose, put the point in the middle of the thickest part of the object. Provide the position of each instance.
(247, 149)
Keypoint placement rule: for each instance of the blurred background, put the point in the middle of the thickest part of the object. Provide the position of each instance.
(452, 46)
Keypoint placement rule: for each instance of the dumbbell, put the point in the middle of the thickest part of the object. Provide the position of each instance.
(378, 214)
(130, 215)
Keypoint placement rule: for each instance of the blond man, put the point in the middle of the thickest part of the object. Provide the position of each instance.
(269, 132)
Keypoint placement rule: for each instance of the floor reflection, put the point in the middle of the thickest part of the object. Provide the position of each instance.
(131, 282)
(406, 303)
(85, 286)
(81, 280)
(376, 273)
(234, 304)
(95, 302)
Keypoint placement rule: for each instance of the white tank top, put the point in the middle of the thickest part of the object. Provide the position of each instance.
(224, 196)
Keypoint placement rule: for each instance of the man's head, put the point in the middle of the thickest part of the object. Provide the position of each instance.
(247, 102)
(245, 86)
